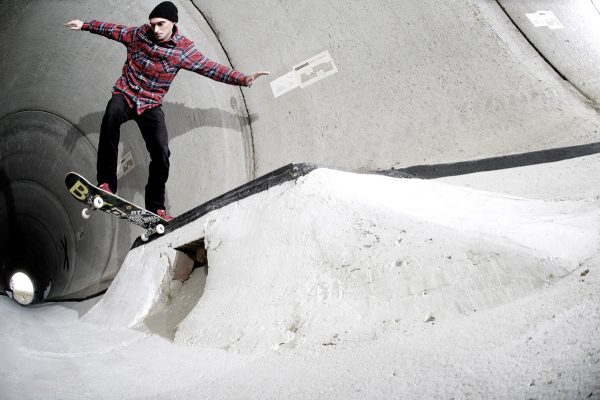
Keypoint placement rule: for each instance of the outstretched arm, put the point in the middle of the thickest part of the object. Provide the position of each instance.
(195, 61)
(120, 33)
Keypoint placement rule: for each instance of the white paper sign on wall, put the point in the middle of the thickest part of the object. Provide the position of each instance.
(305, 74)
(125, 165)
(545, 19)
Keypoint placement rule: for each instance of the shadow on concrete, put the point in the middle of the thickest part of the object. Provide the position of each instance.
(195, 118)
(165, 323)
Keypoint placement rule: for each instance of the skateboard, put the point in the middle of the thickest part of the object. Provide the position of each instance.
(97, 199)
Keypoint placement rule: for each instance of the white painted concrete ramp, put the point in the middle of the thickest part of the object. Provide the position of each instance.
(346, 266)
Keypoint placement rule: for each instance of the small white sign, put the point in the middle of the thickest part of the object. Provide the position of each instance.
(315, 68)
(304, 74)
(285, 83)
(545, 19)
(125, 165)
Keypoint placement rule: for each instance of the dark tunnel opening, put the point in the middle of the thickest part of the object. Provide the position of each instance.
(41, 232)
(28, 252)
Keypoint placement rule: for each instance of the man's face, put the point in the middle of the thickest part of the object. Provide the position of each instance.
(162, 28)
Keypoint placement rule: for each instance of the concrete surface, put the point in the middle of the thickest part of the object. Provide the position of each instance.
(423, 82)
(56, 85)
(417, 84)
(335, 286)
(571, 49)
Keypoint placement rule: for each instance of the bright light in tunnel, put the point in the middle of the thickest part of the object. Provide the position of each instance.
(22, 288)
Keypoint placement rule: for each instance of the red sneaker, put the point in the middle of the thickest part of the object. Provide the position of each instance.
(163, 214)
(105, 187)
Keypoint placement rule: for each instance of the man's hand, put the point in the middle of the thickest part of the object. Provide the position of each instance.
(74, 25)
(256, 75)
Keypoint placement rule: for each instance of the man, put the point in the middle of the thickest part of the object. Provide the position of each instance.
(155, 53)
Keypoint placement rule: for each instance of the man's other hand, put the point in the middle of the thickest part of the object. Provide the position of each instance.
(256, 75)
(74, 25)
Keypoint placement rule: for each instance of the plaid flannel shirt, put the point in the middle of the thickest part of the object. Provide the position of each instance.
(151, 67)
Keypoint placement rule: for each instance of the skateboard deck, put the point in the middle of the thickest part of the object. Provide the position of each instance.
(97, 199)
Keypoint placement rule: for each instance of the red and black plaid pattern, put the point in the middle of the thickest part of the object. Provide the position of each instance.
(151, 67)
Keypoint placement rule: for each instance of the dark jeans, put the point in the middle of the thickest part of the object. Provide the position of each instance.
(154, 131)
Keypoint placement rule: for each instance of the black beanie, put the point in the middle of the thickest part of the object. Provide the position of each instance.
(166, 10)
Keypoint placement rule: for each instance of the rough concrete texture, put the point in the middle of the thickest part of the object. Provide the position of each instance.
(572, 47)
(394, 289)
(417, 84)
(336, 286)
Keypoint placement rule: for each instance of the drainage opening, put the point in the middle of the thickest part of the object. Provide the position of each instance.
(22, 289)
(190, 270)
(193, 256)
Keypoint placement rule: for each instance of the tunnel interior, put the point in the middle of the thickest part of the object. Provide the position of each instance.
(432, 100)
(49, 126)
(424, 83)
(41, 233)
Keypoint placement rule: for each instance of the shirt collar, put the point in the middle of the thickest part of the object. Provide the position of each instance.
(176, 35)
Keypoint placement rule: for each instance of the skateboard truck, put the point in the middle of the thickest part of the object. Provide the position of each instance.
(97, 204)
(158, 228)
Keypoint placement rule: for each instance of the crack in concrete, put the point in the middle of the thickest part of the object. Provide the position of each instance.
(591, 101)
(249, 142)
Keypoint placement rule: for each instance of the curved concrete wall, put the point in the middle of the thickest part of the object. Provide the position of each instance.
(424, 82)
(572, 47)
(56, 86)
(418, 83)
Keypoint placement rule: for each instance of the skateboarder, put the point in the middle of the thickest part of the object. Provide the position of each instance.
(155, 53)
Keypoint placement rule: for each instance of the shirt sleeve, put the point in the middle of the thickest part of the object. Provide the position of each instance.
(193, 60)
(120, 33)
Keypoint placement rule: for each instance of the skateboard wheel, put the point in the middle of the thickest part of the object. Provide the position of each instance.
(144, 237)
(160, 229)
(98, 202)
(85, 213)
